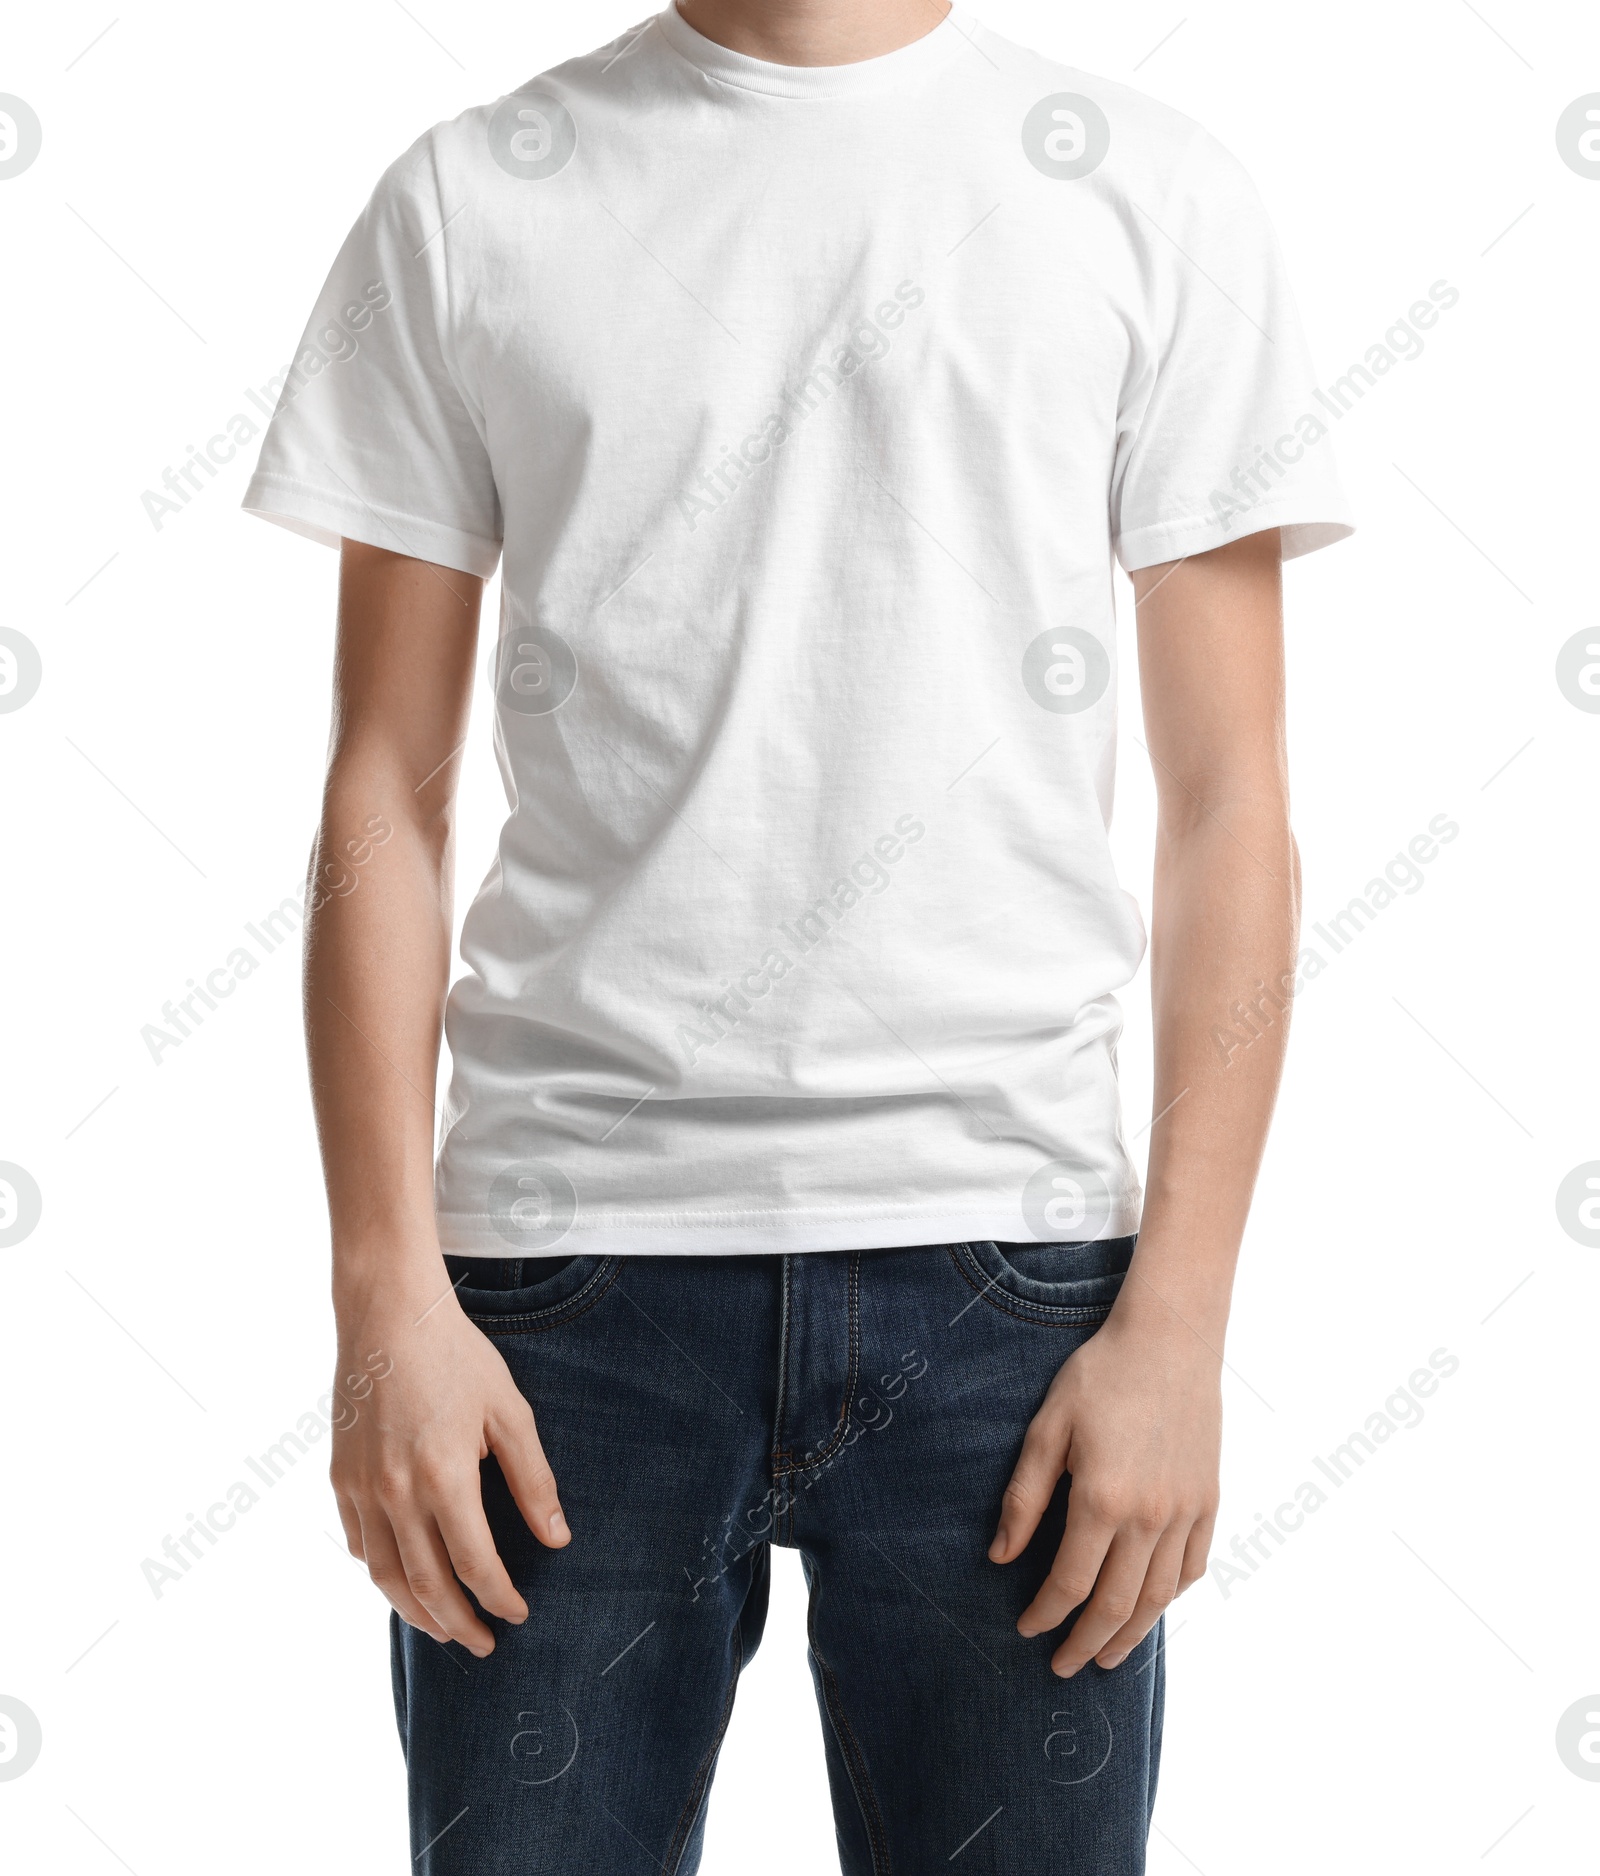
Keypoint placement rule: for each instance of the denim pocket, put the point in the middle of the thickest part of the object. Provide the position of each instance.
(1048, 1283)
(522, 1295)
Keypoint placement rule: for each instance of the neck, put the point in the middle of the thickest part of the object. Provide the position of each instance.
(813, 32)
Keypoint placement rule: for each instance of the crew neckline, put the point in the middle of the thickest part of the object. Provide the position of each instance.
(739, 69)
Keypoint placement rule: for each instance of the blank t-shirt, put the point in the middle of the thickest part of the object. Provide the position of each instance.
(805, 411)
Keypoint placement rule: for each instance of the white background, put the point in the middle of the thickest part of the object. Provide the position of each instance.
(1383, 1693)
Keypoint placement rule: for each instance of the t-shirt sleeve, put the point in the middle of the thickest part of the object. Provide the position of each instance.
(1221, 433)
(376, 436)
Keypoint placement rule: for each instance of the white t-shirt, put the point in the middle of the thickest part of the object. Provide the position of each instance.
(807, 407)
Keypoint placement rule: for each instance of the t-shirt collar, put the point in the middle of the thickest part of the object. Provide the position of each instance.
(889, 70)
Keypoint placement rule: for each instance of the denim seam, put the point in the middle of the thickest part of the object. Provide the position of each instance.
(1050, 1316)
(780, 1452)
(702, 1778)
(853, 1371)
(534, 1322)
(854, 1759)
(778, 1447)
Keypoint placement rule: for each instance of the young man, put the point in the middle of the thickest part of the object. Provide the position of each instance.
(807, 362)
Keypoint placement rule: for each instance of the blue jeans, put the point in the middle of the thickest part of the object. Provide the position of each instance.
(865, 1408)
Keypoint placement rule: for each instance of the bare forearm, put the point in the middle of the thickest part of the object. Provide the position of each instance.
(378, 946)
(1226, 916)
(376, 968)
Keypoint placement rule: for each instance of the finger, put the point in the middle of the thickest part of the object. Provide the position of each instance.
(1116, 1595)
(433, 1583)
(1084, 1544)
(475, 1560)
(1160, 1587)
(1038, 1470)
(514, 1441)
(382, 1556)
(1197, 1552)
(350, 1523)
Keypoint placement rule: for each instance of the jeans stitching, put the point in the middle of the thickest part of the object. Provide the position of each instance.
(780, 1451)
(702, 1778)
(854, 1758)
(1050, 1316)
(533, 1323)
(853, 1372)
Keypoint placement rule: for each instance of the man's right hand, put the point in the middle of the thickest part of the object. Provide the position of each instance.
(405, 1467)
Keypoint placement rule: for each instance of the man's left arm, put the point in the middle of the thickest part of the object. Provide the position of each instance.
(1135, 1415)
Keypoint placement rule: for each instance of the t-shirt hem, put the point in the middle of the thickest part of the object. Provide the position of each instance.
(1305, 529)
(329, 517)
(782, 1235)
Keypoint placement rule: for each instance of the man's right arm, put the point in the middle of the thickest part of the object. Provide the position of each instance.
(406, 1465)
